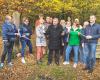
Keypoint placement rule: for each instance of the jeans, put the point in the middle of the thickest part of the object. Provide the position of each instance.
(90, 54)
(7, 50)
(24, 43)
(81, 58)
(68, 51)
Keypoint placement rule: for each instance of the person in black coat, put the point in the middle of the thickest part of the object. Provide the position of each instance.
(54, 33)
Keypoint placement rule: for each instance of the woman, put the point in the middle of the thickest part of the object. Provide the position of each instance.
(40, 41)
(26, 33)
(63, 25)
(73, 43)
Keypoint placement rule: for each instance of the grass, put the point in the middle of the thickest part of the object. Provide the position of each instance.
(32, 71)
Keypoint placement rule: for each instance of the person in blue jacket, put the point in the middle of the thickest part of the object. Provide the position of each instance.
(92, 33)
(25, 37)
(9, 33)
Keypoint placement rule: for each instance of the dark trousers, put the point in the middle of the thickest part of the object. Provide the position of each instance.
(24, 43)
(51, 53)
(7, 50)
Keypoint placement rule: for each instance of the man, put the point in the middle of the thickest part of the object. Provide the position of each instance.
(47, 23)
(9, 32)
(54, 33)
(92, 33)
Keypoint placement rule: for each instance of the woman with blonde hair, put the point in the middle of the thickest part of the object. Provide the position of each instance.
(40, 41)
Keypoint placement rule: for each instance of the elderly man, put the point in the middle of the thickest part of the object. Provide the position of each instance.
(9, 32)
(54, 33)
(92, 33)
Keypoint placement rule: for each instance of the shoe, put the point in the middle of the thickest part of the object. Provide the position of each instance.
(1, 65)
(90, 71)
(85, 68)
(48, 63)
(39, 62)
(23, 61)
(57, 63)
(10, 64)
(65, 63)
(75, 65)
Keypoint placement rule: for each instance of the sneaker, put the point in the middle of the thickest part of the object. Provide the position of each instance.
(10, 64)
(75, 65)
(39, 62)
(1, 65)
(90, 71)
(48, 63)
(85, 68)
(23, 61)
(57, 63)
(65, 63)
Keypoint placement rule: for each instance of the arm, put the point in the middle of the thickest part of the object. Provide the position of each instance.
(97, 35)
(12, 33)
(48, 31)
(4, 31)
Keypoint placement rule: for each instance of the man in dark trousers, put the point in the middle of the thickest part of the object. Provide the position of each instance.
(92, 33)
(9, 32)
(54, 33)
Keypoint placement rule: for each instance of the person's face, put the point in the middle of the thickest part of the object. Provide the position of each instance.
(41, 21)
(51, 20)
(10, 19)
(55, 21)
(85, 24)
(68, 24)
(47, 19)
(92, 19)
(26, 22)
(62, 22)
(74, 24)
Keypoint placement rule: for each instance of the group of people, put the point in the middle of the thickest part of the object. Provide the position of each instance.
(10, 33)
(62, 38)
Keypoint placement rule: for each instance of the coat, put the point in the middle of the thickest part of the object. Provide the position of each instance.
(8, 31)
(54, 36)
(93, 31)
(25, 30)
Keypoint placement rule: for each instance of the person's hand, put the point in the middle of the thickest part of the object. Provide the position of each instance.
(62, 33)
(88, 37)
(23, 36)
(79, 33)
(83, 45)
(17, 34)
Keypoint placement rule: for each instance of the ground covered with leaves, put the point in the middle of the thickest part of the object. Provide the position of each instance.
(32, 71)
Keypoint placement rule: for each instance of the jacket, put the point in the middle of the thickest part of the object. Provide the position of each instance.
(8, 31)
(54, 36)
(25, 30)
(93, 31)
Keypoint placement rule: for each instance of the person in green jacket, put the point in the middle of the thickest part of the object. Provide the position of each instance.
(73, 43)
